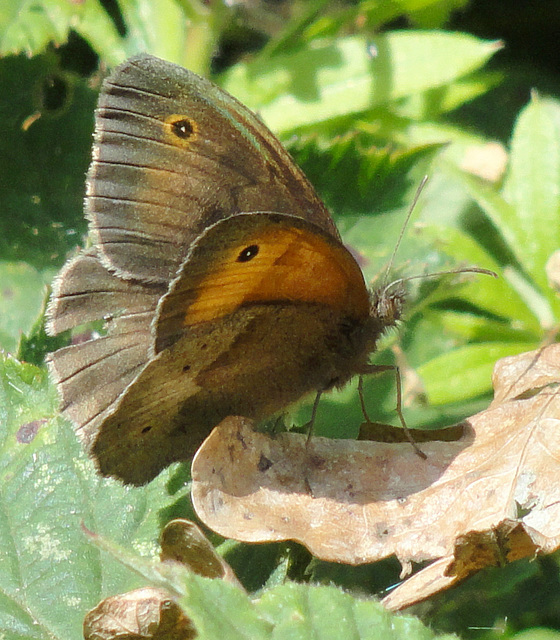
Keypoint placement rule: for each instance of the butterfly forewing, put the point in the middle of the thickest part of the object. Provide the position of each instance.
(174, 154)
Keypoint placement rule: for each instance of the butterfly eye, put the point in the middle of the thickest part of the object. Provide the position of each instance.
(181, 126)
(248, 253)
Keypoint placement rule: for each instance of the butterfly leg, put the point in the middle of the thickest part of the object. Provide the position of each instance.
(309, 461)
(381, 369)
(311, 422)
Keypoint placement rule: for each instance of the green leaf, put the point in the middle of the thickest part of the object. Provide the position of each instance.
(99, 30)
(353, 176)
(158, 28)
(35, 344)
(529, 237)
(464, 373)
(21, 298)
(476, 328)
(29, 26)
(537, 634)
(50, 574)
(527, 213)
(532, 189)
(220, 610)
(494, 295)
(352, 75)
(435, 102)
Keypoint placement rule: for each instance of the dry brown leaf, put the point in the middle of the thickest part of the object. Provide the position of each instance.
(145, 614)
(182, 541)
(490, 497)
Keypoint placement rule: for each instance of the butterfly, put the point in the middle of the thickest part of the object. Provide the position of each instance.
(222, 279)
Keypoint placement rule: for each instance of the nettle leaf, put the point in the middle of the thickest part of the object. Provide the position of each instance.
(50, 574)
(354, 176)
(302, 611)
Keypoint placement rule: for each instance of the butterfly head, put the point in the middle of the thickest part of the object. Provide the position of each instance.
(387, 304)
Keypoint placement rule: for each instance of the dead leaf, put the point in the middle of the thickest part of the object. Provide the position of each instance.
(143, 614)
(490, 497)
(182, 541)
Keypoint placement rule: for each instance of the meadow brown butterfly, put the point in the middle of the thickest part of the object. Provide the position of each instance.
(224, 284)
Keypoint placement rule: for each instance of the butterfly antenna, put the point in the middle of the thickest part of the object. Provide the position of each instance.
(403, 228)
(486, 272)
(421, 186)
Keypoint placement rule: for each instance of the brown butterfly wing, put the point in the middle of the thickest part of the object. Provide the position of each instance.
(85, 290)
(173, 154)
(92, 375)
(165, 413)
(238, 337)
(254, 363)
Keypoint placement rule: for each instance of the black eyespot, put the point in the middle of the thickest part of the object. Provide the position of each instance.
(146, 429)
(186, 368)
(248, 253)
(183, 128)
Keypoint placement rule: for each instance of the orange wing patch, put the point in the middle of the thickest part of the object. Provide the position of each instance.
(281, 264)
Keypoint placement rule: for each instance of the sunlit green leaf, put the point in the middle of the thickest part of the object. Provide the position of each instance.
(464, 373)
(352, 75)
